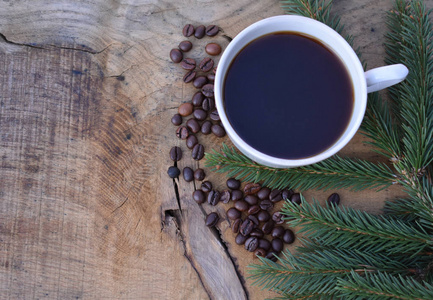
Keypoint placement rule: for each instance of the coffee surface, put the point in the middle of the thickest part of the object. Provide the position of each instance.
(288, 96)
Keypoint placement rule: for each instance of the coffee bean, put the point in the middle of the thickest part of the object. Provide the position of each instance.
(334, 199)
(260, 252)
(199, 196)
(214, 70)
(277, 232)
(254, 219)
(198, 152)
(206, 127)
(251, 244)
(208, 104)
(190, 76)
(191, 141)
(188, 174)
(214, 116)
(263, 193)
(175, 154)
(277, 217)
(246, 227)
(257, 233)
(182, 132)
(265, 244)
(210, 77)
(225, 196)
(200, 32)
(237, 195)
(213, 197)
(251, 188)
(263, 216)
(199, 82)
(197, 99)
(266, 205)
(213, 49)
(241, 205)
(275, 196)
(236, 224)
(233, 213)
(206, 64)
(188, 30)
(185, 46)
(185, 109)
(176, 119)
(212, 30)
(206, 186)
(176, 56)
(207, 90)
(287, 194)
(268, 226)
(199, 174)
(277, 245)
(218, 130)
(173, 172)
(296, 198)
(233, 183)
(193, 125)
(251, 199)
(188, 64)
(253, 210)
(212, 219)
(272, 255)
(288, 236)
(200, 114)
(240, 239)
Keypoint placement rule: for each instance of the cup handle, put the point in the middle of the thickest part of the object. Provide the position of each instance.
(383, 77)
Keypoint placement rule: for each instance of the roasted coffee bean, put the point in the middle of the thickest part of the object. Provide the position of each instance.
(199, 174)
(191, 141)
(275, 196)
(210, 77)
(208, 104)
(188, 174)
(188, 30)
(257, 233)
(207, 90)
(233, 183)
(200, 32)
(176, 56)
(277, 217)
(288, 236)
(182, 132)
(190, 76)
(185, 46)
(193, 125)
(197, 99)
(176, 119)
(240, 239)
(251, 199)
(287, 194)
(199, 196)
(213, 49)
(334, 199)
(175, 154)
(266, 205)
(272, 255)
(206, 127)
(233, 213)
(212, 30)
(268, 226)
(214, 70)
(260, 252)
(253, 210)
(277, 232)
(265, 244)
(206, 64)
(263, 193)
(263, 216)
(198, 152)
(277, 245)
(213, 197)
(251, 188)
(185, 109)
(246, 227)
(214, 116)
(225, 196)
(218, 130)
(241, 205)
(200, 114)
(254, 219)
(251, 244)
(206, 186)
(237, 195)
(212, 219)
(199, 82)
(173, 172)
(296, 198)
(236, 224)
(188, 64)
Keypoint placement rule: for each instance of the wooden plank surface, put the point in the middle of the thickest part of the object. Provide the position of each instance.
(87, 91)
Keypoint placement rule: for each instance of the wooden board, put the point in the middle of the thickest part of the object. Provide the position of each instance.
(87, 91)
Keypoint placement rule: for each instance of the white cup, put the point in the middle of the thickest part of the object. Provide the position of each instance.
(363, 82)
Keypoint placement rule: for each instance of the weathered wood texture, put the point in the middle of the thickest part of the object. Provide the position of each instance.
(86, 96)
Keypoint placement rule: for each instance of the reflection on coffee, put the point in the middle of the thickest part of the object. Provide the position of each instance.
(288, 96)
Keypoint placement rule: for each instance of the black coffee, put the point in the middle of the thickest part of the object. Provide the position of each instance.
(288, 96)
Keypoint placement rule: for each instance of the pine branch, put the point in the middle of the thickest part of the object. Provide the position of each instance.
(335, 172)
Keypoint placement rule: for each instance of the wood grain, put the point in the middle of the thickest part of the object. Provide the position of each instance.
(86, 94)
